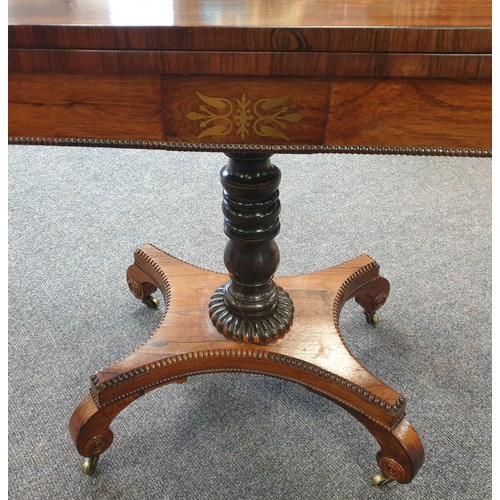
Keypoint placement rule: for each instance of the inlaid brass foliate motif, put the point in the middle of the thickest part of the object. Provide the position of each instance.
(268, 117)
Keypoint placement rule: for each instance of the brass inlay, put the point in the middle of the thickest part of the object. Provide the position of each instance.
(267, 117)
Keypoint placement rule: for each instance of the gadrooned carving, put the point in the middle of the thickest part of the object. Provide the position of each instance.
(253, 330)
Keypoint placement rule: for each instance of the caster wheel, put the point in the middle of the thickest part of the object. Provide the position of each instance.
(89, 465)
(380, 479)
(151, 302)
(372, 318)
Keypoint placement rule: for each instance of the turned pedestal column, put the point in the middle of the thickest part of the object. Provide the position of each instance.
(251, 307)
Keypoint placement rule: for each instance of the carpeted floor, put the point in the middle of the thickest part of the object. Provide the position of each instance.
(76, 216)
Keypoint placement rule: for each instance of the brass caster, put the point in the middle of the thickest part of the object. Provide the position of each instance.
(89, 465)
(372, 318)
(151, 302)
(380, 479)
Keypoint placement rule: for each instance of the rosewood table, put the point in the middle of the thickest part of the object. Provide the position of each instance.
(250, 78)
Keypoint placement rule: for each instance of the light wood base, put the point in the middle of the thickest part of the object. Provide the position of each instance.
(312, 353)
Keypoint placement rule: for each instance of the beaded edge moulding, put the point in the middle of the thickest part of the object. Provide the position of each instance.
(251, 148)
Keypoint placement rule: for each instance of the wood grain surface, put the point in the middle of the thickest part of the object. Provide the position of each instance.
(366, 112)
(236, 13)
(127, 107)
(276, 39)
(312, 353)
(367, 55)
(410, 112)
(317, 64)
(431, 26)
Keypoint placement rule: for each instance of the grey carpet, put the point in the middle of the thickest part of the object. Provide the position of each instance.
(77, 214)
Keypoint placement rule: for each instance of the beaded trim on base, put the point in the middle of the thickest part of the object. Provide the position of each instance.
(236, 353)
(98, 387)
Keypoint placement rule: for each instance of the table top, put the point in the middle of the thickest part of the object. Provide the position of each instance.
(253, 13)
(281, 74)
(462, 26)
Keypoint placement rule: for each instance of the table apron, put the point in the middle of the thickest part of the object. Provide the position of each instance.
(272, 111)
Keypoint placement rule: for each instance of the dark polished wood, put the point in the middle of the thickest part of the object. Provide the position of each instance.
(251, 78)
(250, 307)
(99, 69)
(278, 64)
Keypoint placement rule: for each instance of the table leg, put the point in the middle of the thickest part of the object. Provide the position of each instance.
(254, 314)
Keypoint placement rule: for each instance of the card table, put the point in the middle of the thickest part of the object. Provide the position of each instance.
(251, 78)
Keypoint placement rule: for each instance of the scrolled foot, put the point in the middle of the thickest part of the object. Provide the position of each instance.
(401, 454)
(393, 469)
(89, 465)
(142, 287)
(372, 297)
(89, 429)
